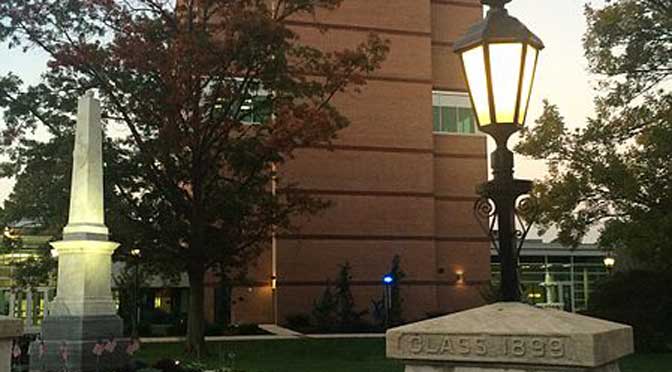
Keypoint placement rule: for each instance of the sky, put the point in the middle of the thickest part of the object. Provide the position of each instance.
(561, 76)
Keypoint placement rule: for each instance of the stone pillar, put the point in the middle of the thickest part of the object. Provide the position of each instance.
(510, 337)
(12, 299)
(9, 329)
(83, 311)
(29, 307)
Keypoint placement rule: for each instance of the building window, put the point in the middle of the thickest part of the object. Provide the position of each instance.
(452, 113)
(255, 107)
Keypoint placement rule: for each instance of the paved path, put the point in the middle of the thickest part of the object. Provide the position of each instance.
(279, 331)
(159, 340)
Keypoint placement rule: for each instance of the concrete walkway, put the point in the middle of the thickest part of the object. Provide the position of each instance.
(298, 336)
(279, 331)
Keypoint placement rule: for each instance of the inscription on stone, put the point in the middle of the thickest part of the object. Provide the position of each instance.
(487, 346)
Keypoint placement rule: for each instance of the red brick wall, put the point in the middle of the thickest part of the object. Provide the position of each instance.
(397, 188)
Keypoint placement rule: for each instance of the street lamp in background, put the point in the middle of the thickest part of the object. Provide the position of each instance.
(135, 253)
(388, 282)
(609, 262)
(499, 58)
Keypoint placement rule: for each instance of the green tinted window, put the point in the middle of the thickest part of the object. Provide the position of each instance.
(449, 119)
(451, 113)
(255, 110)
(465, 120)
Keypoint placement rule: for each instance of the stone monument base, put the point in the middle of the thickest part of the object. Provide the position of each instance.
(78, 336)
(9, 329)
(474, 367)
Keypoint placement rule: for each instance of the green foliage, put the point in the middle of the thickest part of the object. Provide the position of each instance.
(615, 172)
(129, 281)
(346, 314)
(641, 299)
(324, 309)
(490, 292)
(299, 322)
(335, 310)
(36, 270)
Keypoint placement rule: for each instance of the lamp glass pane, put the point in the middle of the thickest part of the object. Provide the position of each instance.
(474, 68)
(505, 60)
(528, 77)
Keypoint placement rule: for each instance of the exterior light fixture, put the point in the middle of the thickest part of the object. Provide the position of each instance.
(388, 279)
(460, 276)
(135, 253)
(9, 233)
(274, 282)
(499, 59)
(609, 262)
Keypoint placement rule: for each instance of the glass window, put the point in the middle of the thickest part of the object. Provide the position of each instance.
(452, 113)
(449, 119)
(465, 120)
(255, 110)
(437, 118)
(255, 107)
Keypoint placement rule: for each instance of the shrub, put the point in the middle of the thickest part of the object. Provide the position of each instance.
(300, 323)
(641, 299)
(348, 318)
(335, 310)
(324, 310)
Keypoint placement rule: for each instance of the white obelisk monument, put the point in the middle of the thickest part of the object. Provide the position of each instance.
(83, 311)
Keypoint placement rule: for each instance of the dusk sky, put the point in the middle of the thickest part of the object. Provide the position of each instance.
(561, 78)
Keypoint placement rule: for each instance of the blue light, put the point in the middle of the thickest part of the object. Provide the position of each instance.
(388, 279)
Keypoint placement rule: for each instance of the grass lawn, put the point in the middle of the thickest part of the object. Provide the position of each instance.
(334, 355)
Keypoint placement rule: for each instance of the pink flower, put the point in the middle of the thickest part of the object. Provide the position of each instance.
(133, 346)
(111, 345)
(64, 351)
(98, 349)
(16, 351)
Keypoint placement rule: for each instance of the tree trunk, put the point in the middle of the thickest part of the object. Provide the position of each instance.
(195, 319)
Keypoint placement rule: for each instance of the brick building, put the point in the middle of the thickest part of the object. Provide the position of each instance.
(401, 177)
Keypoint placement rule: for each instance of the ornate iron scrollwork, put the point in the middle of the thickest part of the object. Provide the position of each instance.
(526, 213)
(485, 210)
(524, 210)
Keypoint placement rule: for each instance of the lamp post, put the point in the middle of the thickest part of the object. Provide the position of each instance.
(388, 281)
(135, 253)
(499, 58)
(609, 263)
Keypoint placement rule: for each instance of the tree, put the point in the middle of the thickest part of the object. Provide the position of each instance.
(190, 176)
(344, 301)
(324, 309)
(616, 171)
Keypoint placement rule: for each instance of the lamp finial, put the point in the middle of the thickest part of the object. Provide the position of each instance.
(495, 3)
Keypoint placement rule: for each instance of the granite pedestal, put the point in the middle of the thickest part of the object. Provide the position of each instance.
(510, 337)
(10, 328)
(78, 335)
